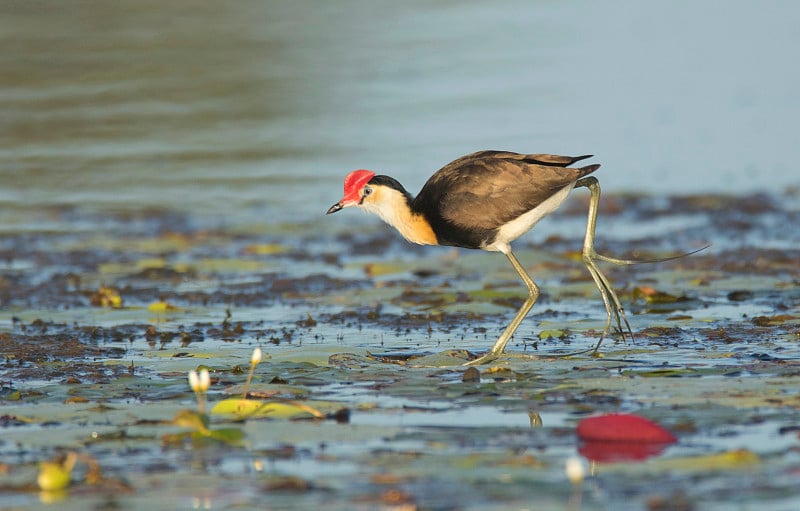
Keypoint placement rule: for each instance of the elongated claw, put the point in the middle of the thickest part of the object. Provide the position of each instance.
(614, 308)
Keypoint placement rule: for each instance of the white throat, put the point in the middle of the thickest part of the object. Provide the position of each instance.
(392, 207)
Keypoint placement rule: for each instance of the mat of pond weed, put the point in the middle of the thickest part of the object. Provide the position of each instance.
(105, 312)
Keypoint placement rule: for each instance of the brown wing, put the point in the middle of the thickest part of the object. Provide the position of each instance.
(541, 159)
(470, 198)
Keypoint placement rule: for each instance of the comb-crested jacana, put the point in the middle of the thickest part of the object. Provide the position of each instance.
(486, 200)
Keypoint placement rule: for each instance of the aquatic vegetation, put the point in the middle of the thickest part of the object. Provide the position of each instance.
(341, 379)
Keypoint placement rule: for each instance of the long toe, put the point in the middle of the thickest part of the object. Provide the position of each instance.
(485, 359)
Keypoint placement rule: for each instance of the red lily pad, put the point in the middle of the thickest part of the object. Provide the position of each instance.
(622, 437)
(620, 427)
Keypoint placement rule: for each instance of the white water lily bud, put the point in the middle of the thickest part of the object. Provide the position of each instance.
(575, 471)
(256, 358)
(194, 381)
(205, 380)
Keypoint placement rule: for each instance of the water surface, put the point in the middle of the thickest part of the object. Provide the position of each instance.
(184, 154)
(253, 110)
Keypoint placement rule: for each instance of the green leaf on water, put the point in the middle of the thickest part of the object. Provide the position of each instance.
(552, 334)
(265, 249)
(378, 269)
(227, 435)
(729, 460)
(254, 409)
(651, 295)
(191, 419)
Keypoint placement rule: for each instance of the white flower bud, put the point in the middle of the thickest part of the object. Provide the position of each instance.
(205, 380)
(575, 471)
(194, 381)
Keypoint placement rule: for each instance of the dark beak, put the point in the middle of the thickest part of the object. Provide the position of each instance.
(336, 207)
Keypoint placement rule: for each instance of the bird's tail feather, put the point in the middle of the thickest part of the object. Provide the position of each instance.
(585, 171)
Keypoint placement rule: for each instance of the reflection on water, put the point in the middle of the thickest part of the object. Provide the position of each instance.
(256, 110)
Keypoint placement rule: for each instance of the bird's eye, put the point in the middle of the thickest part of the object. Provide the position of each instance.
(367, 190)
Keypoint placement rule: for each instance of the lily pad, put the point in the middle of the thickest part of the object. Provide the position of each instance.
(253, 409)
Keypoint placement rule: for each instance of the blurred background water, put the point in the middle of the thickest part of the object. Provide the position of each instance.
(253, 110)
(249, 114)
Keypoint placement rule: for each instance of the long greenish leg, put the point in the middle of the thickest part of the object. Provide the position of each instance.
(533, 293)
(614, 309)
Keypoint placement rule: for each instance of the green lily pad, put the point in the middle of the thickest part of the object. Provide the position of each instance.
(253, 409)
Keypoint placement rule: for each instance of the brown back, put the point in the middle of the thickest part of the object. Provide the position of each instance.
(470, 198)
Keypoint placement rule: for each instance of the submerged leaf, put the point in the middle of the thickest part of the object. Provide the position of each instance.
(75, 400)
(663, 373)
(378, 269)
(191, 419)
(773, 320)
(106, 297)
(265, 249)
(227, 435)
(740, 295)
(286, 483)
(471, 375)
(651, 295)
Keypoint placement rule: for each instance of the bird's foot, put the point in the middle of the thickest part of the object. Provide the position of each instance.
(491, 357)
(627, 262)
(485, 359)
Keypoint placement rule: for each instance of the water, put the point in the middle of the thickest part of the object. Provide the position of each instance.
(132, 131)
(254, 111)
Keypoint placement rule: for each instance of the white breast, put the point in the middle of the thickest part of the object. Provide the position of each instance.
(522, 224)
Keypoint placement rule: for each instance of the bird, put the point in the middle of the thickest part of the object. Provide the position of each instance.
(485, 200)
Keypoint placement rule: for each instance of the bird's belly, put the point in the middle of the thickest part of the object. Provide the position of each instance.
(512, 230)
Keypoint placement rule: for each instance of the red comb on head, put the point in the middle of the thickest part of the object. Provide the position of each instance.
(354, 181)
